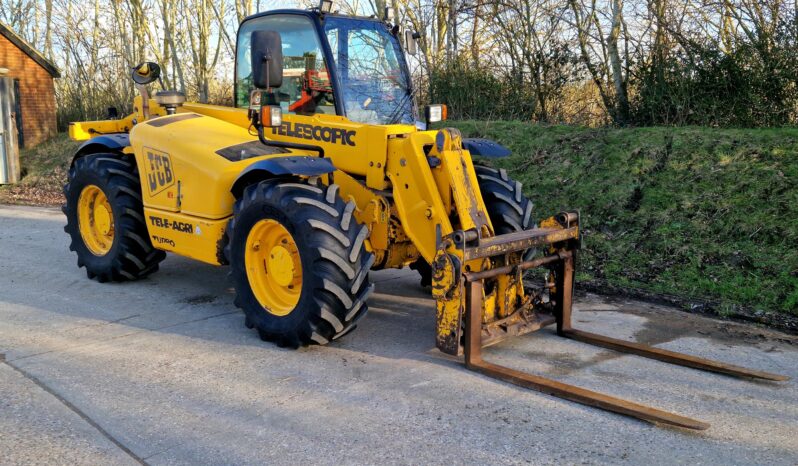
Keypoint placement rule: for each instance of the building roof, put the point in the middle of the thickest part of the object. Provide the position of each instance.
(29, 50)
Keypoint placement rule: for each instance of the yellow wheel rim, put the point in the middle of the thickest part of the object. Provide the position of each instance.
(274, 269)
(95, 220)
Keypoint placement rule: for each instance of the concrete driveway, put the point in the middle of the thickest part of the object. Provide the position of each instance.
(163, 371)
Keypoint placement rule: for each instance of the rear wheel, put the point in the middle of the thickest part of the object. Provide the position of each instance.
(105, 219)
(508, 208)
(298, 261)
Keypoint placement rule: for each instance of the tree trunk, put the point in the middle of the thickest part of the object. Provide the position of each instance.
(48, 29)
(616, 69)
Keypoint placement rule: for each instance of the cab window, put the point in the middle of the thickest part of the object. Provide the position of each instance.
(306, 85)
(375, 87)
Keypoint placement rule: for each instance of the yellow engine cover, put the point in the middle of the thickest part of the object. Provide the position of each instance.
(181, 167)
(187, 164)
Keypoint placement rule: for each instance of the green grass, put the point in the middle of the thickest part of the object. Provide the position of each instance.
(698, 212)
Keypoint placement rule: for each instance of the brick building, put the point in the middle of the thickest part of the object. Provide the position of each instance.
(33, 87)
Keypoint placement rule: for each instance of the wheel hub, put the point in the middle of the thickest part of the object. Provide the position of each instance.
(281, 265)
(273, 266)
(95, 220)
(102, 219)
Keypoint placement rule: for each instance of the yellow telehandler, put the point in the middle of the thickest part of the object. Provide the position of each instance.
(322, 170)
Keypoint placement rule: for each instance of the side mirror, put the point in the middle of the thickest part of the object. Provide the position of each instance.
(411, 47)
(267, 59)
(146, 73)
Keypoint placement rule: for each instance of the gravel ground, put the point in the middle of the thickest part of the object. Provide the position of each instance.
(163, 371)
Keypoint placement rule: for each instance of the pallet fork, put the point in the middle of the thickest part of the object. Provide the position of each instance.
(561, 237)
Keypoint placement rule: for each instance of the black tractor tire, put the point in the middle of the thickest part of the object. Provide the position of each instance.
(131, 255)
(508, 208)
(331, 246)
(423, 268)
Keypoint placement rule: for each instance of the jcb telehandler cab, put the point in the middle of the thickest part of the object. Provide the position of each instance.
(322, 171)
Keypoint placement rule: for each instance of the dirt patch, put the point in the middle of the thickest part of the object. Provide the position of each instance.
(662, 326)
(47, 194)
(783, 322)
(44, 172)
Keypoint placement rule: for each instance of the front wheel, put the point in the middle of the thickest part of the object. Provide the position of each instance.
(299, 262)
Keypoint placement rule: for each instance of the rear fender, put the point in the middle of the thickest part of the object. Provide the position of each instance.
(106, 143)
(485, 148)
(302, 165)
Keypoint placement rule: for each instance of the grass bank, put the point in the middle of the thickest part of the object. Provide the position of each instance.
(697, 212)
(44, 170)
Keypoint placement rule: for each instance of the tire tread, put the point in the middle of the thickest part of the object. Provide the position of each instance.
(340, 262)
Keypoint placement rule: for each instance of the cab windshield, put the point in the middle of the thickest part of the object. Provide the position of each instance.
(375, 87)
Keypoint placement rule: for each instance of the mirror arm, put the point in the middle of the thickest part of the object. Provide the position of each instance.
(267, 60)
(145, 100)
(288, 145)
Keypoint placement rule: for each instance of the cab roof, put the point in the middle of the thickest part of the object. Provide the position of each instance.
(313, 12)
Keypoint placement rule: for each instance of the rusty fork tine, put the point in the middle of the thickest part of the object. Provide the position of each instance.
(587, 397)
(671, 357)
(474, 361)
